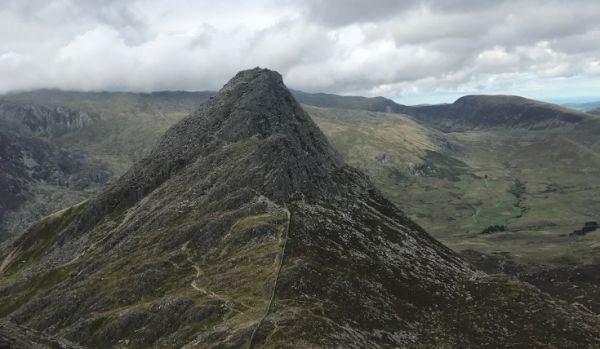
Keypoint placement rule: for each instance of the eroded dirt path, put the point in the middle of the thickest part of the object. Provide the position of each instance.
(194, 284)
(270, 303)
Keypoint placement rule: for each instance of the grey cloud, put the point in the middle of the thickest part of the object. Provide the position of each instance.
(403, 49)
(342, 12)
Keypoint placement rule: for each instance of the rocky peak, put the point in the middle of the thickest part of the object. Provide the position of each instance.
(251, 137)
(255, 104)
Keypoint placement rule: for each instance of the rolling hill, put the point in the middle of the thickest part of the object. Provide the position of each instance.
(491, 111)
(326, 100)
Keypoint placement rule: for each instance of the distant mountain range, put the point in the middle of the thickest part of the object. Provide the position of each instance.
(325, 100)
(468, 112)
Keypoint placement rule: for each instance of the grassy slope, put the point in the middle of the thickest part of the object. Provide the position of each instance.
(558, 168)
(228, 285)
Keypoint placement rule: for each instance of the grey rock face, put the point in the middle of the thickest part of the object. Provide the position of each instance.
(13, 336)
(44, 121)
(31, 161)
(252, 136)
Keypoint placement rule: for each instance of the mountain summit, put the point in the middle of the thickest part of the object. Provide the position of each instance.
(244, 229)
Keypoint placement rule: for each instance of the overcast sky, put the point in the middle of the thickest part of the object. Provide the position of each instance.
(410, 51)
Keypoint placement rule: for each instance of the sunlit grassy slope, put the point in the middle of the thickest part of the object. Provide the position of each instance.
(540, 184)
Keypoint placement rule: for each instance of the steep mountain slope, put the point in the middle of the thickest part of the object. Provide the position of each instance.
(244, 228)
(37, 176)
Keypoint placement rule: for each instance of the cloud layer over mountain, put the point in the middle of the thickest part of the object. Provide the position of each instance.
(412, 51)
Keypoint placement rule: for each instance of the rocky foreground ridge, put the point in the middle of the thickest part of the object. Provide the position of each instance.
(244, 229)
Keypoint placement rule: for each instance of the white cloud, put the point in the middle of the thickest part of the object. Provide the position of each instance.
(409, 50)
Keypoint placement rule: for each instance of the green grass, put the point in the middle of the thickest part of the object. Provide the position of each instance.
(38, 283)
(520, 167)
(447, 166)
(238, 271)
(40, 237)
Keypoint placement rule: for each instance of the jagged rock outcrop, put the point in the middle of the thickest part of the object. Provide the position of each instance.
(43, 121)
(245, 229)
(31, 162)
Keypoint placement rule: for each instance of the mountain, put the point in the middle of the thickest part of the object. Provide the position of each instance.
(489, 111)
(466, 113)
(326, 100)
(245, 228)
(127, 124)
(595, 111)
(37, 176)
(576, 284)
